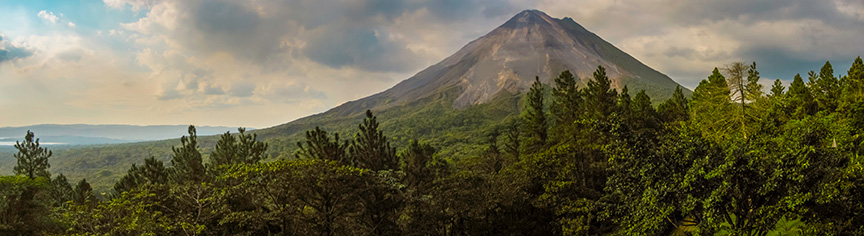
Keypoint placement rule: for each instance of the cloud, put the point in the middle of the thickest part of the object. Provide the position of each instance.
(686, 39)
(9, 51)
(242, 89)
(48, 16)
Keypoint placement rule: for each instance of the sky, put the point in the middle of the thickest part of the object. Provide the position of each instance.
(260, 63)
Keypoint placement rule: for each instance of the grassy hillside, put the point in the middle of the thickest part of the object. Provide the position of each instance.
(458, 132)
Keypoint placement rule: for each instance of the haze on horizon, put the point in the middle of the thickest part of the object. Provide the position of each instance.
(264, 63)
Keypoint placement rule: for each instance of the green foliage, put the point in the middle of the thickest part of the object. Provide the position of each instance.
(186, 165)
(535, 118)
(711, 100)
(32, 159)
(566, 105)
(319, 146)
(775, 164)
(370, 148)
(244, 148)
(676, 108)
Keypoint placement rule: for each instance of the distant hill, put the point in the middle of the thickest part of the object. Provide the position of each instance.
(77, 134)
(453, 105)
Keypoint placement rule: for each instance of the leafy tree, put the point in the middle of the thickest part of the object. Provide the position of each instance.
(23, 210)
(32, 159)
(370, 148)
(535, 118)
(186, 164)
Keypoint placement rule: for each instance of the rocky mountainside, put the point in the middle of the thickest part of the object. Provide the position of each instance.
(509, 57)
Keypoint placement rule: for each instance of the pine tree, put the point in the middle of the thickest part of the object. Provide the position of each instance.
(711, 107)
(152, 172)
(535, 118)
(186, 164)
(32, 159)
(61, 190)
(753, 87)
(565, 106)
(777, 90)
(514, 143)
(243, 148)
(418, 174)
(319, 146)
(644, 118)
(855, 75)
(825, 88)
(624, 104)
(370, 148)
(800, 99)
(83, 193)
(599, 96)
(677, 108)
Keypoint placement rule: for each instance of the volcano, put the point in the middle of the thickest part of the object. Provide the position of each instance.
(508, 58)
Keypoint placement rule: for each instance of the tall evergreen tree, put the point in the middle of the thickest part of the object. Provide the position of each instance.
(370, 148)
(677, 108)
(643, 116)
(535, 118)
(231, 150)
(416, 166)
(599, 96)
(83, 193)
(61, 190)
(152, 172)
(32, 159)
(319, 146)
(186, 164)
(624, 104)
(566, 105)
(777, 90)
(753, 87)
(514, 143)
(825, 88)
(855, 87)
(800, 99)
(711, 107)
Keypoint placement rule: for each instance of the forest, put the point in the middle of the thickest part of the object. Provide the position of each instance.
(732, 159)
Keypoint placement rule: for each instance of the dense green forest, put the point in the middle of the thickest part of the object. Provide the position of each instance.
(730, 160)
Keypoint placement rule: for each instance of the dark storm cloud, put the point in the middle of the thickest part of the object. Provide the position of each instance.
(362, 48)
(781, 64)
(334, 33)
(749, 11)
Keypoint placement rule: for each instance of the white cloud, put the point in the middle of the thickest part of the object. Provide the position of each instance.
(48, 16)
(72, 25)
